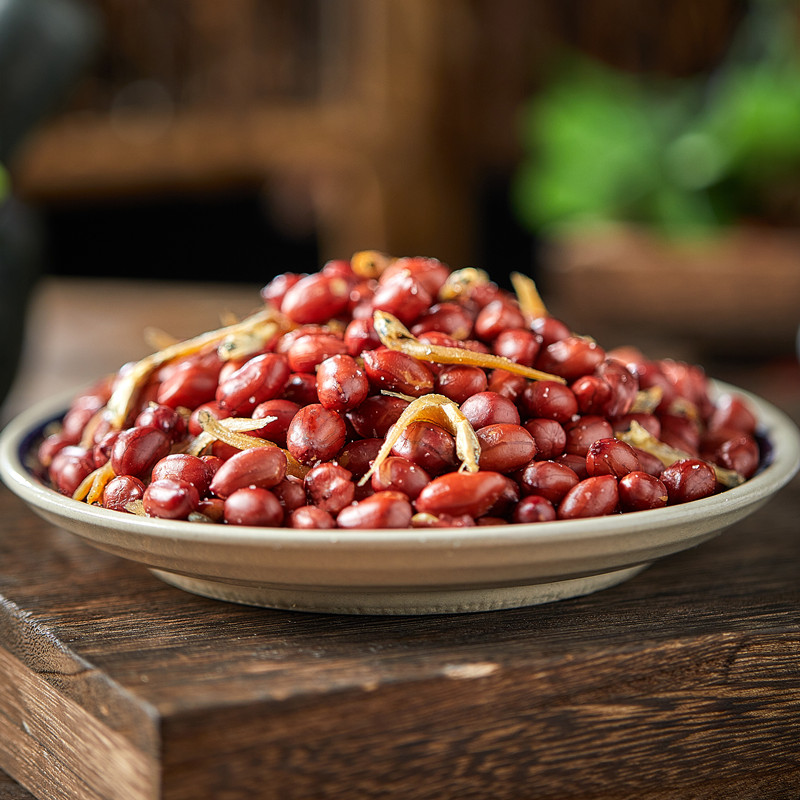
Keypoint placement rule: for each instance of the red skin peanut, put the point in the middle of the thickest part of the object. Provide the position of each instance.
(448, 318)
(430, 272)
(639, 491)
(274, 292)
(489, 408)
(301, 388)
(571, 357)
(585, 430)
(649, 463)
(508, 384)
(611, 457)
(740, 454)
(120, 491)
(316, 299)
(184, 467)
(261, 378)
(165, 418)
(576, 463)
(534, 508)
(592, 393)
(549, 436)
(360, 335)
(731, 411)
(455, 493)
(400, 475)
(650, 422)
(283, 412)
(252, 505)
(548, 479)
(505, 448)
(549, 400)
(373, 418)
(397, 372)
(495, 317)
(310, 518)
(428, 445)
(137, 450)
(328, 486)
(593, 497)
(518, 345)
(170, 498)
(623, 384)
(290, 492)
(403, 296)
(460, 383)
(54, 444)
(69, 467)
(263, 467)
(315, 434)
(310, 351)
(357, 456)
(380, 510)
(550, 329)
(188, 386)
(688, 479)
(341, 385)
(101, 452)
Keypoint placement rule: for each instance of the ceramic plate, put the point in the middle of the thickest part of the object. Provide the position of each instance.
(421, 571)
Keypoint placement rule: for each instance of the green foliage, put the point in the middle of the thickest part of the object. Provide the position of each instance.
(680, 156)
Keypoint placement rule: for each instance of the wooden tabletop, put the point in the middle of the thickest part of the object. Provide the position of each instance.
(682, 682)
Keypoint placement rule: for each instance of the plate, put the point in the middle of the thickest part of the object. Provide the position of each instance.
(417, 571)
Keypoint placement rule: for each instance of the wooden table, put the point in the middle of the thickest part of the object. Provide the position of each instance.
(683, 682)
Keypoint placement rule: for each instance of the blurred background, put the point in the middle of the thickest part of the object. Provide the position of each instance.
(640, 160)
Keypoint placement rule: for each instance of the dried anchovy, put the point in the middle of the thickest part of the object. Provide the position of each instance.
(438, 410)
(394, 335)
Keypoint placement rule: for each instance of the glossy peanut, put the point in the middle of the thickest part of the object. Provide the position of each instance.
(611, 457)
(489, 408)
(380, 510)
(120, 491)
(259, 379)
(329, 486)
(255, 506)
(688, 479)
(593, 497)
(472, 493)
(263, 467)
(505, 447)
(639, 491)
(341, 384)
(169, 498)
(397, 372)
(315, 434)
(136, 451)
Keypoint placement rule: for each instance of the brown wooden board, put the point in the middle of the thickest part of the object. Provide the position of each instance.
(682, 682)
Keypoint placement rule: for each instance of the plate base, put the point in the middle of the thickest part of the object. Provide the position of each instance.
(398, 602)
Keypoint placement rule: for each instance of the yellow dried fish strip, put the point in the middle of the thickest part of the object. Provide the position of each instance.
(460, 281)
(396, 336)
(530, 301)
(261, 325)
(438, 410)
(231, 431)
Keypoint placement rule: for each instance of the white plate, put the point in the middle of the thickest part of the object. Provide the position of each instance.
(423, 571)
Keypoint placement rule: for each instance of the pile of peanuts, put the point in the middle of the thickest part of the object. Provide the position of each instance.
(389, 392)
